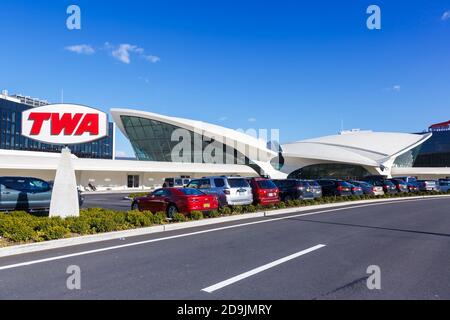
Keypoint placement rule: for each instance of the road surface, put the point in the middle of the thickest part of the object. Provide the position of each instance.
(324, 255)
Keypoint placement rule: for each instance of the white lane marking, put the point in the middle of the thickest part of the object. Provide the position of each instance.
(83, 253)
(252, 272)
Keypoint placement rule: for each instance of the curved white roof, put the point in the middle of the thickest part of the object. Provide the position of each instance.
(244, 143)
(365, 148)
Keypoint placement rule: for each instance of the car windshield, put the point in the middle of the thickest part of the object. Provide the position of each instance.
(266, 184)
(388, 183)
(192, 192)
(238, 183)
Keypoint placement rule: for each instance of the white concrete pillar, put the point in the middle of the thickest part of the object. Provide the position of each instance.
(64, 202)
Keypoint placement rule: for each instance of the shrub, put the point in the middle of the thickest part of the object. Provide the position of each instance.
(225, 211)
(237, 210)
(139, 218)
(79, 225)
(196, 215)
(17, 229)
(281, 205)
(250, 208)
(179, 217)
(213, 214)
(159, 218)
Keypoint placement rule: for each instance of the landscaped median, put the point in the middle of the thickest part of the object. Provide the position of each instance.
(22, 228)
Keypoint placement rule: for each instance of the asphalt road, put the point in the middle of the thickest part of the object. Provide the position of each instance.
(258, 259)
(114, 201)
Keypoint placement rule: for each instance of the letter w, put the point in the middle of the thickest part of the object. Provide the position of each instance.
(67, 122)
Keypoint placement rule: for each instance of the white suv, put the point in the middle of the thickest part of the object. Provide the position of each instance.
(231, 191)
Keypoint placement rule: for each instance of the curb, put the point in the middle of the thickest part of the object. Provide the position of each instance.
(62, 243)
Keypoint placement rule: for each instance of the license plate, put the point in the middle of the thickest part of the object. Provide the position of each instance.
(206, 205)
(270, 194)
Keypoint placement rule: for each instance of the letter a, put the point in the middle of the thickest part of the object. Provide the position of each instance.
(374, 20)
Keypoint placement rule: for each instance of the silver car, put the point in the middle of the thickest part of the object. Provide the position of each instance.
(27, 194)
(231, 191)
(444, 185)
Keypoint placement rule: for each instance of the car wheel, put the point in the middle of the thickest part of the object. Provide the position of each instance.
(134, 206)
(171, 211)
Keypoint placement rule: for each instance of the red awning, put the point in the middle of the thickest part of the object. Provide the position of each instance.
(440, 125)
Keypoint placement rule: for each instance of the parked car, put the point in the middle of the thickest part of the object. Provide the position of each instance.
(231, 191)
(356, 190)
(428, 185)
(332, 187)
(176, 200)
(176, 182)
(293, 189)
(402, 186)
(369, 189)
(265, 192)
(444, 185)
(26, 194)
(412, 187)
(381, 181)
(316, 188)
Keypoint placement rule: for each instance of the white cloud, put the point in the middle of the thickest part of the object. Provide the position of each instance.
(81, 49)
(251, 119)
(396, 88)
(152, 59)
(445, 15)
(123, 53)
(224, 118)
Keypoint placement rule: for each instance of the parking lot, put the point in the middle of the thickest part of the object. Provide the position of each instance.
(114, 201)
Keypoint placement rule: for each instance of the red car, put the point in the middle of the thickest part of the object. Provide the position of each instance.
(265, 192)
(176, 200)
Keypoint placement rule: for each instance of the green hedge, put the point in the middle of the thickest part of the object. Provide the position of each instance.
(18, 227)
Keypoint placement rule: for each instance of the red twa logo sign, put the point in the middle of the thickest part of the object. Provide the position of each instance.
(64, 124)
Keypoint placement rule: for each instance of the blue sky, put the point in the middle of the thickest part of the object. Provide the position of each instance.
(293, 65)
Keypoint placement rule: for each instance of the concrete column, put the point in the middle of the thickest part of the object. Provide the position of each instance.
(64, 202)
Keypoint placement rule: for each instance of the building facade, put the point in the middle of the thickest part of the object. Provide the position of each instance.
(11, 108)
(435, 152)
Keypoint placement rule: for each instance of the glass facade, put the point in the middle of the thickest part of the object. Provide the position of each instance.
(435, 152)
(11, 138)
(407, 159)
(330, 171)
(152, 141)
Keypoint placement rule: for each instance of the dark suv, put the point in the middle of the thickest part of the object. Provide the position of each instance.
(292, 189)
(335, 187)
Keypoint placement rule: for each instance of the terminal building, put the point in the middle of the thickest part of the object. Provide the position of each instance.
(214, 150)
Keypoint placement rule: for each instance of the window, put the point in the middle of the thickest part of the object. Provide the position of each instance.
(330, 171)
(161, 193)
(200, 184)
(133, 181)
(238, 183)
(219, 183)
(35, 185)
(192, 192)
(266, 184)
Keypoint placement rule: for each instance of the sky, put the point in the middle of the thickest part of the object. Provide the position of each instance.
(307, 68)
